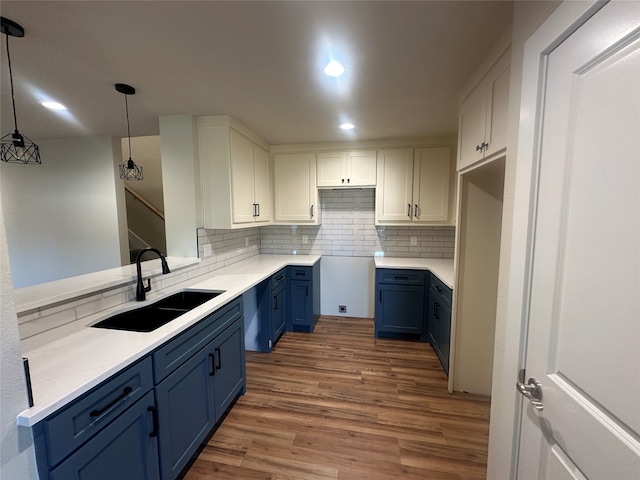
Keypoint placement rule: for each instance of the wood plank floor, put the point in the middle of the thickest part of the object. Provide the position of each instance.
(338, 404)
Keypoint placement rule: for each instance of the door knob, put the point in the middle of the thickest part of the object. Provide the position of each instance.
(533, 391)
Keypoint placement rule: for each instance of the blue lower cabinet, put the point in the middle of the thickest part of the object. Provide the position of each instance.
(301, 306)
(229, 367)
(439, 321)
(304, 298)
(195, 396)
(186, 411)
(400, 304)
(127, 449)
(278, 316)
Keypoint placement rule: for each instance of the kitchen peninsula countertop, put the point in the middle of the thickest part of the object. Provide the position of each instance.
(64, 369)
(441, 268)
(29, 298)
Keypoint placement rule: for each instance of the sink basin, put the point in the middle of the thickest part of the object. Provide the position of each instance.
(187, 299)
(159, 313)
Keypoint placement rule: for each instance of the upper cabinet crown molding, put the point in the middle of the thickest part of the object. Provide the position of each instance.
(234, 173)
(346, 169)
(482, 122)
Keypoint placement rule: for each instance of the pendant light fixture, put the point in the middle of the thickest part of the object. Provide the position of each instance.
(128, 169)
(15, 147)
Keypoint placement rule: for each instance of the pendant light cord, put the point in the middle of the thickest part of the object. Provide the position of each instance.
(126, 107)
(13, 101)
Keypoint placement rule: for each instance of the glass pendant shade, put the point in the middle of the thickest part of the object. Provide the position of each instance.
(15, 147)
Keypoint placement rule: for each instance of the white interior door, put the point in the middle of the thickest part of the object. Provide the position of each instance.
(583, 341)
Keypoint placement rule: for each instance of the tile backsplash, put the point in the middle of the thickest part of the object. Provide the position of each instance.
(348, 230)
(227, 246)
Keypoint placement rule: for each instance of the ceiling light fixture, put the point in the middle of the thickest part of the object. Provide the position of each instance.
(15, 147)
(334, 69)
(347, 126)
(128, 169)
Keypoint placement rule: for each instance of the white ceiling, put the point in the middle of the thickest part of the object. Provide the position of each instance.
(260, 62)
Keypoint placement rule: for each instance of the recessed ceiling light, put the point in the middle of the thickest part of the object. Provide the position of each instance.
(334, 69)
(53, 105)
(347, 126)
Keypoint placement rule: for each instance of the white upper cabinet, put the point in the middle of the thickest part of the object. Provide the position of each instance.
(413, 187)
(296, 194)
(431, 178)
(347, 169)
(234, 175)
(482, 125)
(394, 194)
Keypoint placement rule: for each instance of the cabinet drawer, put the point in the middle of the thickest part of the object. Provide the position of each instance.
(441, 289)
(400, 277)
(170, 356)
(300, 273)
(126, 450)
(278, 279)
(87, 416)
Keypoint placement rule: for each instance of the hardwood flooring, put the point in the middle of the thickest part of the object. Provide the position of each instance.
(339, 404)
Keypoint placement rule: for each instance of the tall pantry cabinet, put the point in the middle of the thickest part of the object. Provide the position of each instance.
(482, 156)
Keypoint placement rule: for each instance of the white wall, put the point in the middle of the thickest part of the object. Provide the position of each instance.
(527, 17)
(477, 279)
(348, 281)
(17, 457)
(145, 152)
(61, 217)
(180, 183)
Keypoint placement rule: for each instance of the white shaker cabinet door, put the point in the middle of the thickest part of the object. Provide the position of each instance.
(242, 178)
(296, 195)
(361, 168)
(431, 179)
(262, 184)
(331, 169)
(394, 201)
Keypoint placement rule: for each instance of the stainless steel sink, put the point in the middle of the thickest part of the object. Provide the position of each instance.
(159, 313)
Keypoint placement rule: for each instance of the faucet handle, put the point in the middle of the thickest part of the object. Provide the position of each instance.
(148, 287)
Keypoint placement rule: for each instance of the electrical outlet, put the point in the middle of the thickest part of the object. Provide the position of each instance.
(207, 250)
(414, 241)
(342, 308)
(305, 239)
(246, 241)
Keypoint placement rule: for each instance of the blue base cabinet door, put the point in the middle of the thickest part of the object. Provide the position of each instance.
(278, 308)
(439, 323)
(301, 307)
(127, 449)
(229, 368)
(186, 411)
(400, 310)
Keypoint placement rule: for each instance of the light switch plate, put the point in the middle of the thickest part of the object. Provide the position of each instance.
(305, 239)
(207, 250)
(414, 241)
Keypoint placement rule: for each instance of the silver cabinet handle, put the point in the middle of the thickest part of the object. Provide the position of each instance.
(532, 391)
(409, 210)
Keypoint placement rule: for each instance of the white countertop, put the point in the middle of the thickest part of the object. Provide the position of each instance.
(65, 369)
(441, 268)
(28, 298)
